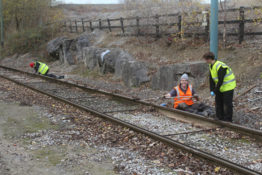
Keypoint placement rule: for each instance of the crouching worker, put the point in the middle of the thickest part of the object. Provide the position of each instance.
(43, 69)
(184, 94)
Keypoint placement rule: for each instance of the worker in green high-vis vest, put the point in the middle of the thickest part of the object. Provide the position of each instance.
(222, 85)
(43, 69)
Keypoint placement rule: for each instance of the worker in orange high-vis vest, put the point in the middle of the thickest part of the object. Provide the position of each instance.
(183, 94)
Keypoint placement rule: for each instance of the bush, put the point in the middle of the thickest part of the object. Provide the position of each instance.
(27, 40)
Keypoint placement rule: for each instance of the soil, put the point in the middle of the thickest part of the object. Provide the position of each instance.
(20, 153)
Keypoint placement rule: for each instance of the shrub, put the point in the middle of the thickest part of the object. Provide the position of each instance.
(28, 40)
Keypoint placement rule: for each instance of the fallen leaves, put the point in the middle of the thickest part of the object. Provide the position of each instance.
(217, 169)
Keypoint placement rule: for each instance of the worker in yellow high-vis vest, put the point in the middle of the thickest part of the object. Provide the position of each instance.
(43, 69)
(222, 85)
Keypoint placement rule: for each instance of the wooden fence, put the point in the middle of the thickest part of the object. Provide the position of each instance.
(177, 22)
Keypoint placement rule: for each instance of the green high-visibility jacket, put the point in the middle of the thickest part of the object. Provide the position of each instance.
(229, 82)
(43, 68)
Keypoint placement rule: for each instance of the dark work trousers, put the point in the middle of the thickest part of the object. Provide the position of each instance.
(50, 75)
(198, 108)
(224, 105)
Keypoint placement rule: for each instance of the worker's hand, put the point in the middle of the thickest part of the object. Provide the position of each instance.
(212, 93)
(168, 95)
(196, 97)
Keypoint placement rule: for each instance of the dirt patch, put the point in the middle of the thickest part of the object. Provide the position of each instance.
(20, 153)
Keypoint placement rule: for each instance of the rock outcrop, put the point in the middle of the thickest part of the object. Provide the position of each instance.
(68, 51)
(117, 62)
(83, 50)
(134, 73)
(168, 76)
(54, 46)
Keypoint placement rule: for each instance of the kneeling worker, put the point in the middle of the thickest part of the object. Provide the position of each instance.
(43, 69)
(183, 94)
(222, 85)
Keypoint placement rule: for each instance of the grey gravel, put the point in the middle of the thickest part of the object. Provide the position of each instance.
(241, 151)
(159, 124)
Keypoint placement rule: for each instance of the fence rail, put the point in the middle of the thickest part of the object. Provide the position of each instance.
(82, 25)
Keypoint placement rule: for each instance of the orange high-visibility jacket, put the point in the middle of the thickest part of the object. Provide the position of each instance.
(182, 97)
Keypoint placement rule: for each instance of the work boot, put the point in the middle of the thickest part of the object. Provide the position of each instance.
(61, 77)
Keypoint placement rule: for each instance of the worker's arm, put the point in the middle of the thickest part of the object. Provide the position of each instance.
(212, 83)
(195, 95)
(36, 67)
(171, 94)
(221, 75)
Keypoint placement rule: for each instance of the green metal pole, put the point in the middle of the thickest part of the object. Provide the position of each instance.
(214, 28)
(2, 23)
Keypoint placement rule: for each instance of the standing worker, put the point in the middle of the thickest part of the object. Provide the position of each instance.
(222, 85)
(43, 69)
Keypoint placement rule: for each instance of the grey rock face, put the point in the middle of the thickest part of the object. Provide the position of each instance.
(168, 76)
(117, 62)
(112, 58)
(54, 45)
(91, 56)
(68, 51)
(134, 73)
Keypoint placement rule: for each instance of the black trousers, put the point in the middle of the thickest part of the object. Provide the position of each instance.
(50, 75)
(224, 105)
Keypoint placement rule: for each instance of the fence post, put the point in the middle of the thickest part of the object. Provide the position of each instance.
(207, 27)
(241, 24)
(83, 24)
(100, 24)
(179, 26)
(122, 25)
(137, 26)
(76, 26)
(71, 27)
(109, 25)
(65, 27)
(157, 26)
(91, 26)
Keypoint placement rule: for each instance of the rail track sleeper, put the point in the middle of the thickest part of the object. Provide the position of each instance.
(212, 158)
(73, 98)
(192, 132)
(125, 110)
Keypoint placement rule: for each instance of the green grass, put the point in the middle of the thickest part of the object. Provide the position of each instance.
(85, 72)
(53, 155)
(16, 126)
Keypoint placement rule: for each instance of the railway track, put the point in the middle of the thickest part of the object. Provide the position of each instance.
(203, 137)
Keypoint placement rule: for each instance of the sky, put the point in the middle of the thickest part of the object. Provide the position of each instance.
(96, 1)
(91, 1)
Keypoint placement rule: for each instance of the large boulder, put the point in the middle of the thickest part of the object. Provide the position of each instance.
(54, 46)
(110, 59)
(134, 73)
(117, 62)
(68, 51)
(81, 42)
(168, 76)
(106, 59)
(92, 56)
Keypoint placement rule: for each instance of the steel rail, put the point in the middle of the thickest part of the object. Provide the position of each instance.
(199, 153)
(238, 128)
